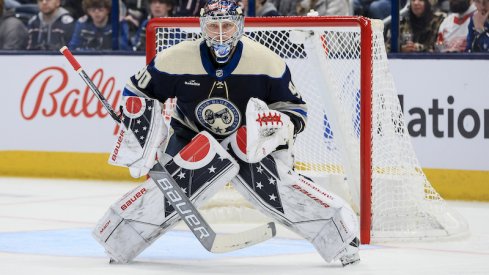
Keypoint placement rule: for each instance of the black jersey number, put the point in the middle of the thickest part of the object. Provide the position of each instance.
(143, 77)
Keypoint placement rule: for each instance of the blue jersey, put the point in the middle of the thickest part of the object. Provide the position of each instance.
(212, 97)
(477, 42)
(87, 36)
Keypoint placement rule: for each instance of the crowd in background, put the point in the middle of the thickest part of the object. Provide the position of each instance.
(84, 25)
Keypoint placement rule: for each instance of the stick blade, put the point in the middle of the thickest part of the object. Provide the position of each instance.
(231, 242)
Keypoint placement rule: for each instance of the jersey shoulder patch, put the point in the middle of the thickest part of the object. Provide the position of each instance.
(67, 19)
(258, 59)
(83, 19)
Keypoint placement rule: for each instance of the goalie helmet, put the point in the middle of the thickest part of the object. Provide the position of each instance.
(222, 23)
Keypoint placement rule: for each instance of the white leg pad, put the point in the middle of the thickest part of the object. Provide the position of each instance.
(318, 215)
(333, 239)
(131, 224)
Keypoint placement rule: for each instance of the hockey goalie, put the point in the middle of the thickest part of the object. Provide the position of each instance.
(236, 118)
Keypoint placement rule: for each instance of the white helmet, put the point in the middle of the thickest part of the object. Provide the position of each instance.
(222, 24)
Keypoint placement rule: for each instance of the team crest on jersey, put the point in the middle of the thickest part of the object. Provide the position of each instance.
(218, 115)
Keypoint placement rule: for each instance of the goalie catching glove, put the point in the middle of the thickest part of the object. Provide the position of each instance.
(265, 130)
(141, 132)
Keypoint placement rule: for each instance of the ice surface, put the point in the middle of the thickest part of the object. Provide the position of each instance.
(45, 228)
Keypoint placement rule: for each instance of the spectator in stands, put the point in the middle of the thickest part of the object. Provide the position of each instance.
(265, 8)
(452, 35)
(74, 7)
(135, 14)
(157, 8)
(442, 5)
(13, 33)
(324, 7)
(286, 7)
(188, 7)
(93, 31)
(10, 4)
(418, 30)
(51, 28)
(478, 36)
(378, 9)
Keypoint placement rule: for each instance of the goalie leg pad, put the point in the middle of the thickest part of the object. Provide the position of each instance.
(319, 216)
(131, 224)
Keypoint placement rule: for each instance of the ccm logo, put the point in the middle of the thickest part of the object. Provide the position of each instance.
(181, 206)
(118, 145)
(133, 199)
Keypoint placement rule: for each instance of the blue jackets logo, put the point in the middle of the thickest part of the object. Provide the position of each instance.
(218, 115)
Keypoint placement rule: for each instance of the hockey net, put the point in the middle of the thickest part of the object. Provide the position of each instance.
(356, 142)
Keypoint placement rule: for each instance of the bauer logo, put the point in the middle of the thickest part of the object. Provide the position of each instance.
(192, 220)
(133, 199)
(314, 198)
(118, 145)
(218, 115)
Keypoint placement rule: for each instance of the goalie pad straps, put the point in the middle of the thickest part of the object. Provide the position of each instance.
(141, 132)
(142, 215)
(319, 216)
(266, 130)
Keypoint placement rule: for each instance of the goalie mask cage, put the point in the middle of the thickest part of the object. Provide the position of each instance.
(356, 138)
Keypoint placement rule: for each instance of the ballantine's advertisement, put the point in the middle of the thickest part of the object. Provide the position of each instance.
(48, 107)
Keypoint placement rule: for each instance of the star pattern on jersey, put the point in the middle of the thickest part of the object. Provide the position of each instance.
(191, 180)
(139, 125)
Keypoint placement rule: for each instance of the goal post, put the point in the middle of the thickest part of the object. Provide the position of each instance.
(356, 142)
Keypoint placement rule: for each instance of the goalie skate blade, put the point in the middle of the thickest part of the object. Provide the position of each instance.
(231, 242)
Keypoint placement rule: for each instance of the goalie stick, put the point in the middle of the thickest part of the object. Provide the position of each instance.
(178, 199)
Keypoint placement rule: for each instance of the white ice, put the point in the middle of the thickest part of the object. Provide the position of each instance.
(45, 227)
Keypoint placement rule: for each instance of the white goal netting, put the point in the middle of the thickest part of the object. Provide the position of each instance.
(324, 60)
